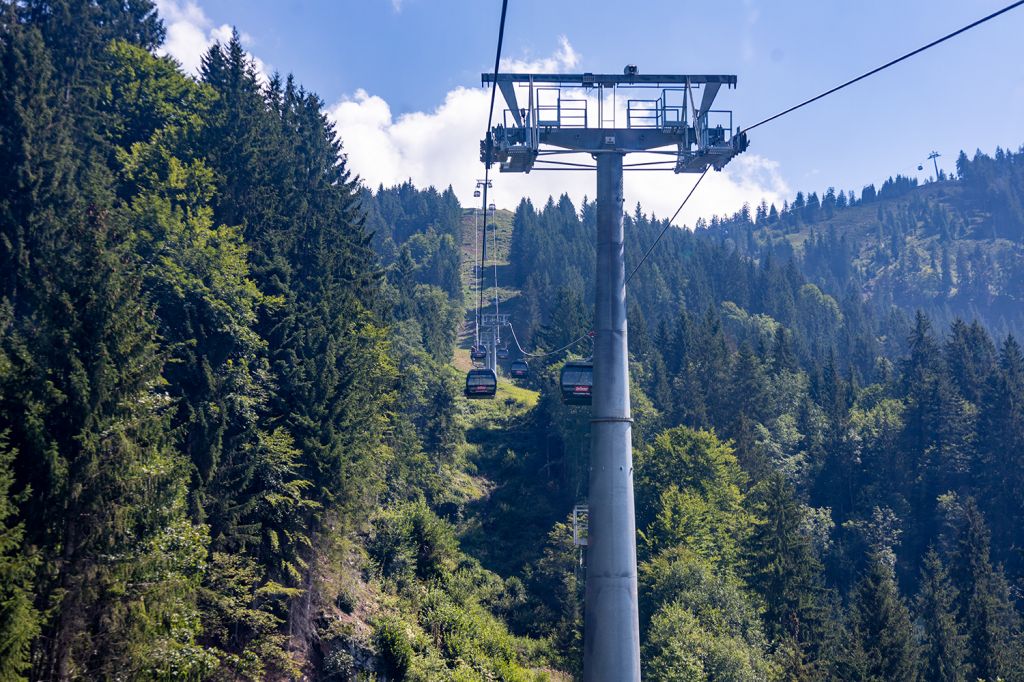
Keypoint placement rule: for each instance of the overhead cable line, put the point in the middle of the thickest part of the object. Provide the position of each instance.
(668, 224)
(478, 274)
(487, 165)
(811, 100)
(861, 77)
(550, 352)
(872, 72)
(497, 62)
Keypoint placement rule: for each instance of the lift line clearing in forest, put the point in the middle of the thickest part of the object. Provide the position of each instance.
(665, 115)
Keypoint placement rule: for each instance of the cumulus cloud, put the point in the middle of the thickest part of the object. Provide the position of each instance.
(564, 59)
(190, 33)
(441, 147)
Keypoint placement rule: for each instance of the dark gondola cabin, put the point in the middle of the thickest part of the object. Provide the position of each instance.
(577, 379)
(503, 353)
(481, 383)
(519, 369)
(478, 353)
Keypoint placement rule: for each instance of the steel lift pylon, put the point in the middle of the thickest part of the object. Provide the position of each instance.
(669, 117)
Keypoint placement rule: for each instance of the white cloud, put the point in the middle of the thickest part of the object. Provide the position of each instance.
(441, 147)
(564, 59)
(190, 33)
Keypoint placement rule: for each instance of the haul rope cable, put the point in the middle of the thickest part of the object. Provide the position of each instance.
(669, 224)
(919, 50)
(908, 55)
(826, 94)
(487, 163)
(552, 352)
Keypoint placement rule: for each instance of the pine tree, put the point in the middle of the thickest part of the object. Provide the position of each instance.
(285, 181)
(991, 621)
(746, 393)
(944, 647)
(792, 659)
(937, 441)
(782, 356)
(709, 364)
(19, 619)
(782, 567)
(971, 357)
(83, 403)
(90, 423)
(1000, 433)
(35, 160)
(882, 635)
(569, 320)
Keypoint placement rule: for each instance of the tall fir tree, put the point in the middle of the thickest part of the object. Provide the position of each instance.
(944, 646)
(19, 619)
(781, 565)
(991, 620)
(999, 469)
(883, 644)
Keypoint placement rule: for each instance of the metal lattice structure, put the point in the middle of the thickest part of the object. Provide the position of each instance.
(579, 525)
(668, 115)
(493, 320)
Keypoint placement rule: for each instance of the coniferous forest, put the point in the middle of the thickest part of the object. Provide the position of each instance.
(233, 442)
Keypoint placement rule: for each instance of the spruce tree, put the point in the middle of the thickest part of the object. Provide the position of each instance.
(782, 567)
(284, 180)
(90, 422)
(35, 160)
(883, 641)
(944, 646)
(19, 619)
(991, 621)
(83, 404)
(1000, 467)
(747, 396)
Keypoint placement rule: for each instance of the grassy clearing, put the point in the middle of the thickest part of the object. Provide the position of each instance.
(524, 396)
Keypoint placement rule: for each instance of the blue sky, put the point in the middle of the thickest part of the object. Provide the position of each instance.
(403, 80)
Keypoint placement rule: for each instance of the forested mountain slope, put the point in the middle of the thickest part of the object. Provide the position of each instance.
(953, 248)
(233, 444)
(225, 405)
(864, 443)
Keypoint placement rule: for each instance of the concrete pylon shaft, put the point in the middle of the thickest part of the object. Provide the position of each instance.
(611, 641)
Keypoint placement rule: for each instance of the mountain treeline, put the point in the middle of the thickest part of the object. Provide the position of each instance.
(233, 446)
(224, 393)
(952, 248)
(848, 470)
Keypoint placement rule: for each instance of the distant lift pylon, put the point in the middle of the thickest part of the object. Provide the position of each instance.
(670, 118)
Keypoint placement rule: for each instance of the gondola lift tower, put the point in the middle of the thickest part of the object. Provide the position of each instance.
(669, 116)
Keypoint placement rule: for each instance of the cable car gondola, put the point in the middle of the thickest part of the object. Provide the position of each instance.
(577, 379)
(478, 353)
(481, 383)
(503, 353)
(519, 369)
